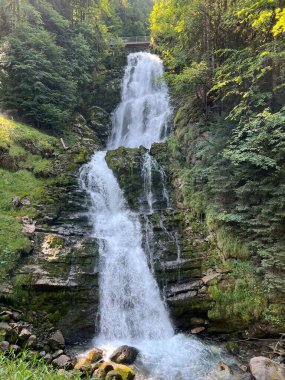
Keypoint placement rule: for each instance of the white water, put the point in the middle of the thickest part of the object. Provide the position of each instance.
(131, 308)
(130, 304)
(143, 116)
(150, 166)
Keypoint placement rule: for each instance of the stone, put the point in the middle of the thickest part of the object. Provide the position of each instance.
(6, 316)
(243, 367)
(7, 332)
(224, 367)
(114, 375)
(5, 327)
(4, 346)
(28, 229)
(57, 353)
(126, 372)
(83, 364)
(48, 358)
(95, 355)
(124, 355)
(210, 277)
(26, 201)
(31, 342)
(197, 321)
(63, 361)
(263, 368)
(56, 341)
(198, 330)
(24, 335)
(16, 316)
(63, 373)
(103, 369)
(15, 348)
(16, 201)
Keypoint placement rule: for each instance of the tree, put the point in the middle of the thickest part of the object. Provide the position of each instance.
(38, 82)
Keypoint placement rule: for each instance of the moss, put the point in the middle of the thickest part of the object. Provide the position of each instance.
(81, 156)
(240, 298)
(24, 173)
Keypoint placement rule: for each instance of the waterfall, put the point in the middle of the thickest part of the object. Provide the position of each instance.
(131, 308)
(130, 304)
(143, 116)
(150, 166)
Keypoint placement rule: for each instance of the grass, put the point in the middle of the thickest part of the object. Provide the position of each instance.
(26, 160)
(242, 299)
(26, 367)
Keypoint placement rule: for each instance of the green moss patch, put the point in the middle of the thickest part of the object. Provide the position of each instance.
(26, 168)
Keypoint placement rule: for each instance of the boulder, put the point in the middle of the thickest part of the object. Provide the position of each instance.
(48, 358)
(6, 316)
(103, 369)
(126, 372)
(31, 342)
(95, 355)
(210, 276)
(63, 361)
(124, 355)
(83, 364)
(114, 375)
(4, 346)
(224, 367)
(57, 353)
(16, 316)
(24, 335)
(56, 341)
(16, 200)
(15, 348)
(5, 330)
(263, 368)
(5, 327)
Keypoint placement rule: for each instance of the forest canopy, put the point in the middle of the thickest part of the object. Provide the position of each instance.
(58, 54)
(226, 70)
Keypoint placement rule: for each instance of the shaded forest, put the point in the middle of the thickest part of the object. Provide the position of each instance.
(226, 69)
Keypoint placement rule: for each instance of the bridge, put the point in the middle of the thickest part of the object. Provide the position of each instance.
(137, 42)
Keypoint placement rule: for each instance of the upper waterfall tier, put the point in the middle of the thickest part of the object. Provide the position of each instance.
(144, 114)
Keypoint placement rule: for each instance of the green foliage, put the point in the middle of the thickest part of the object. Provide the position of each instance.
(52, 56)
(38, 82)
(242, 299)
(29, 175)
(226, 72)
(28, 367)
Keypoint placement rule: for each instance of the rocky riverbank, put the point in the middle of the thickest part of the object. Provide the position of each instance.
(31, 335)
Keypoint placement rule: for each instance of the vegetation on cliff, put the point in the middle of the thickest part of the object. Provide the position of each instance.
(225, 66)
(58, 61)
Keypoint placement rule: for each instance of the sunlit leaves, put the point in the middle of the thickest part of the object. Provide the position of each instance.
(279, 27)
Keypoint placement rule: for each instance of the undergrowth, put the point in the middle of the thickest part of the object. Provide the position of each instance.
(28, 367)
(26, 157)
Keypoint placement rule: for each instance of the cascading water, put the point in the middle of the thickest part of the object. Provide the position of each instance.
(143, 116)
(131, 308)
(130, 304)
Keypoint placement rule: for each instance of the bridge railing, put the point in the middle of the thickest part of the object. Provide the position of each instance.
(135, 39)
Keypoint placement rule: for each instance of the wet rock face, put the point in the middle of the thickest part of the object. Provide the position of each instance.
(176, 250)
(99, 120)
(60, 275)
